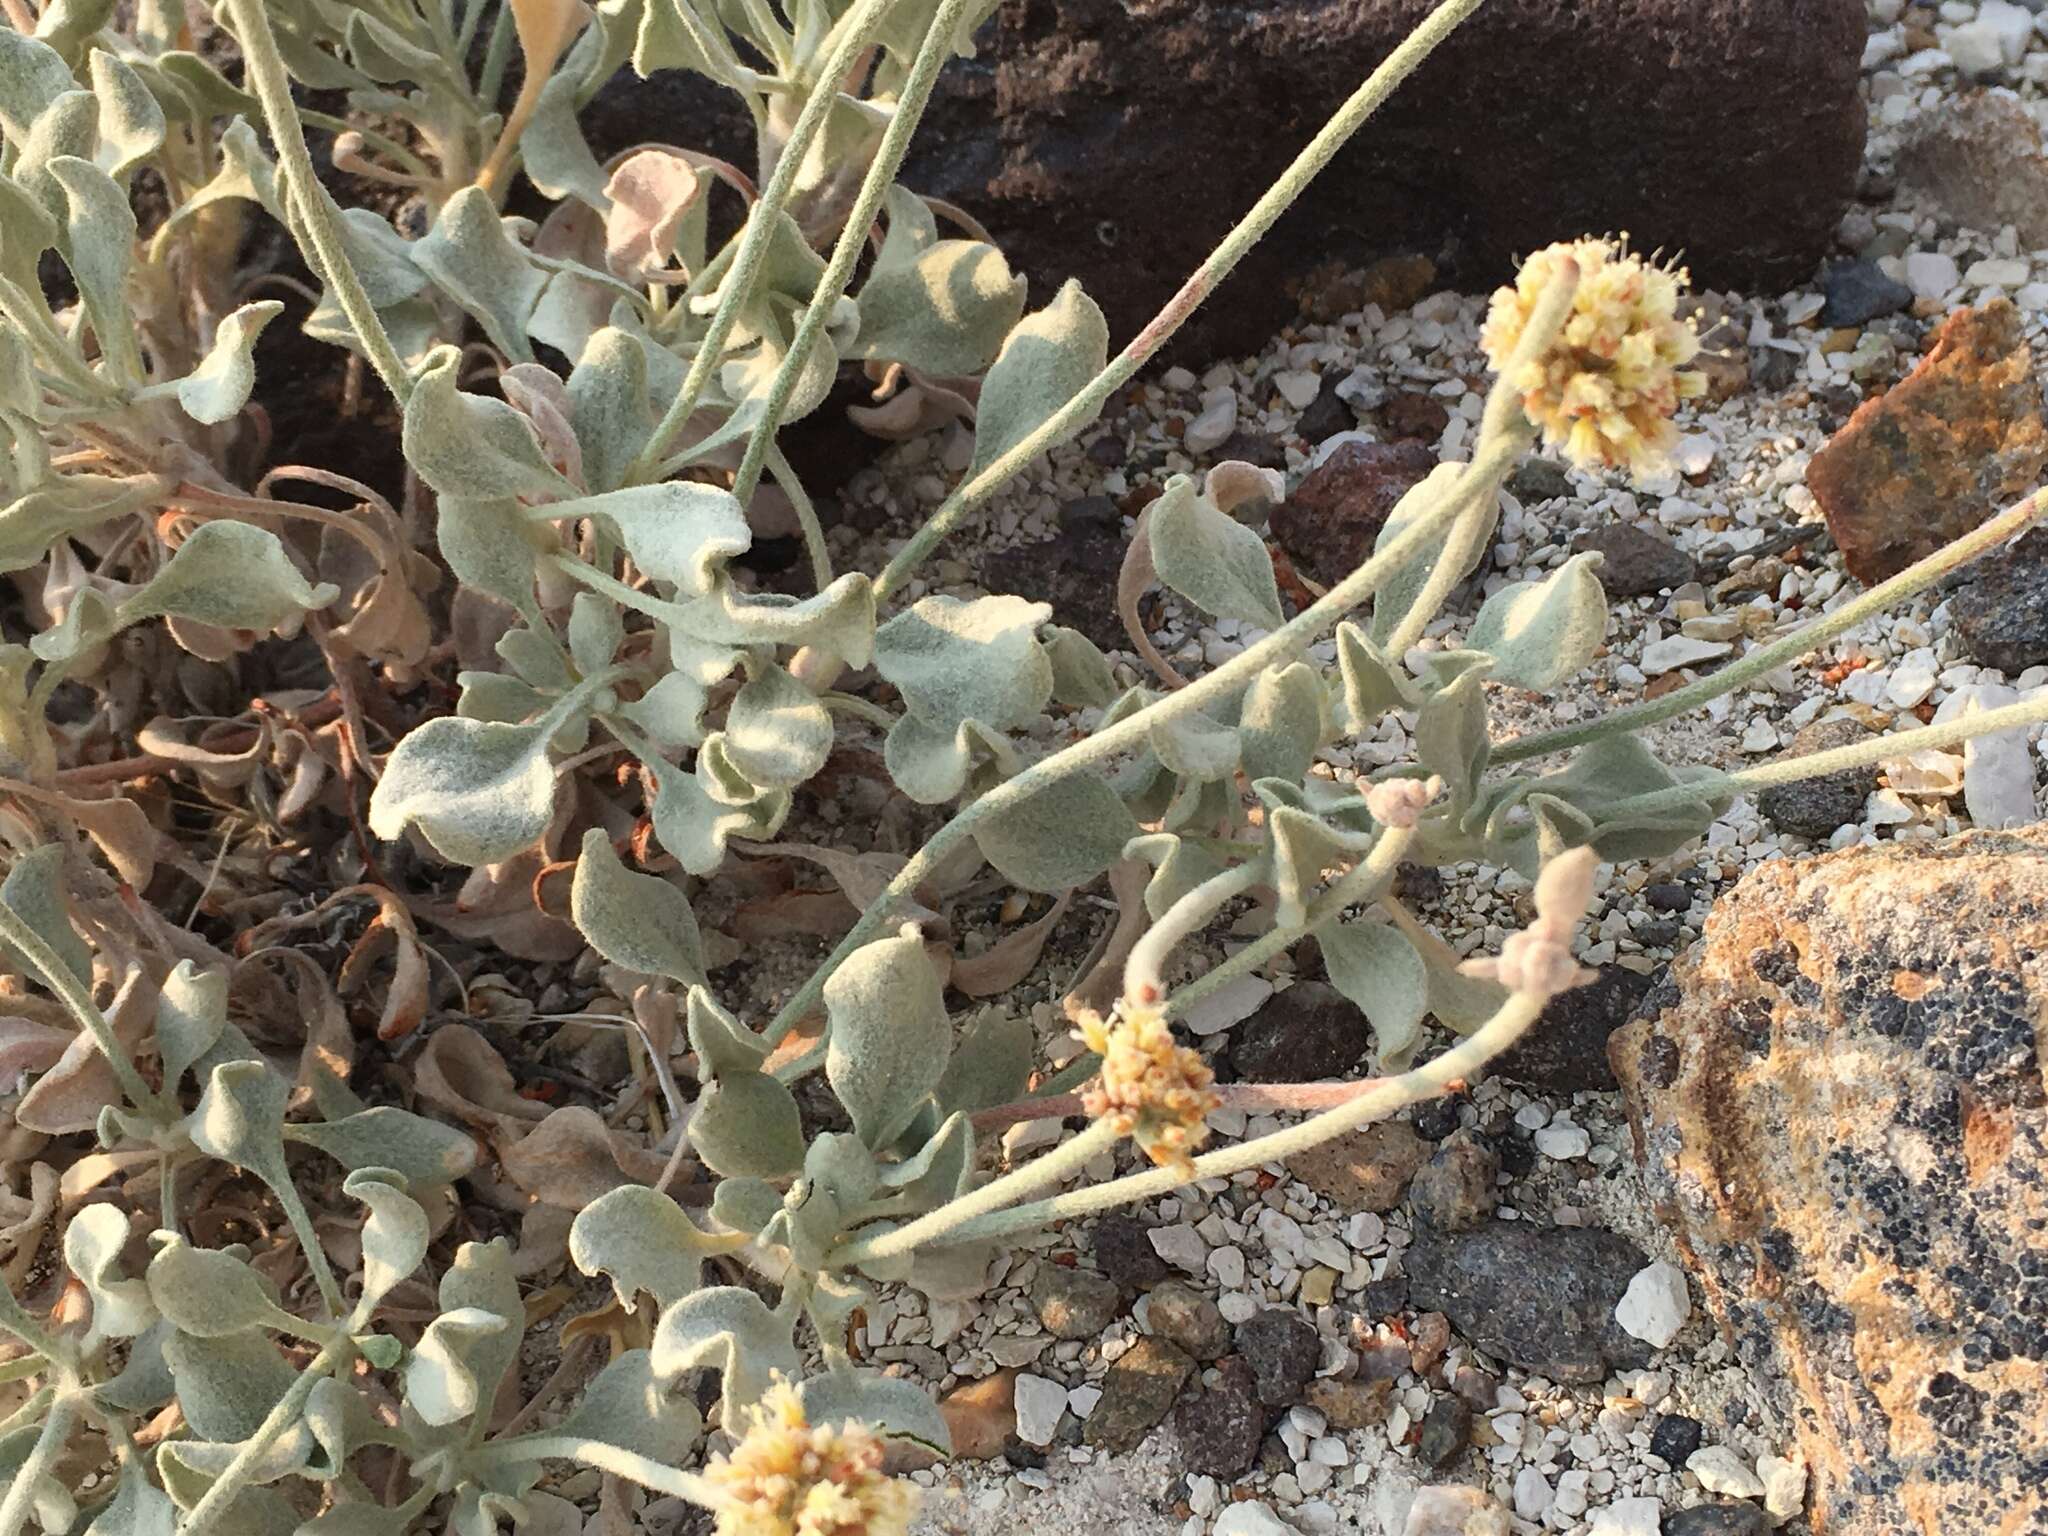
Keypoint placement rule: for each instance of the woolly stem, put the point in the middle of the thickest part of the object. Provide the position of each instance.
(322, 242)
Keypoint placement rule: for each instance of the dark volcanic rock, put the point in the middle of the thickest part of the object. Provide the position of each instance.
(1087, 137)
(1859, 292)
(1566, 1051)
(1542, 1298)
(1719, 1520)
(1675, 1438)
(1329, 522)
(1817, 807)
(1327, 414)
(1283, 1352)
(1305, 1034)
(1073, 1303)
(1124, 1252)
(1187, 1319)
(1074, 570)
(1444, 1430)
(1220, 1427)
(2000, 607)
(1636, 562)
(1840, 1112)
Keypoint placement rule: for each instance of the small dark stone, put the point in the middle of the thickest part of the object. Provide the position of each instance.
(1444, 1431)
(2000, 607)
(1455, 1189)
(1137, 1393)
(1330, 520)
(1417, 416)
(1187, 1319)
(1074, 1303)
(1305, 1034)
(1477, 1387)
(1221, 1427)
(1816, 808)
(1124, 1252)
(1517, 1155)
(1539, 480)
(1108, 451)
(1567, 1050)
(1667, 896)
(1837, 404)
(1419, 884)
(1327, 414)
(1542, 1298)
(1384, 1298)
(1434, 1119)
(1718, 1520)
(1020, 1455)
(1638, 563)
(1859, 292)
(1675, 1438)
(1283, 1352)
(1772, 369)
(1660, 935)
(1075, 570)
(1261, 449)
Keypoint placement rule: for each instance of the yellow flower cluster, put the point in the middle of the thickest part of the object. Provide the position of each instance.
(788, 1477)
(1605, 392)
(1151, 1089)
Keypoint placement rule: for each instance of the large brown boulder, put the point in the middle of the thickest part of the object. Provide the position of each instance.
(1839, 1107)
(1117, 140)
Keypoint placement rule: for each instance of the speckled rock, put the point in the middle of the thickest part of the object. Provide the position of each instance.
(1074, 1303)
(1350, 1404)
(1542, 1298)
(1444, 1431)
(1363, 1170)
(1220, 1427)
(1188, 1320)
(1838, 1103)
(1122, 1249)
(1283, 1352)
(1329, 522)
(1137, 1393)
(1718, 1520)
(1455, 1188)
(2000, 606)
(1979, 156)
(1939, 452)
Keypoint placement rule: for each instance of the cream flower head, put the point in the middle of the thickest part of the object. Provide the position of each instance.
(1151, 1089)
(789, 1477)
(1606, 390)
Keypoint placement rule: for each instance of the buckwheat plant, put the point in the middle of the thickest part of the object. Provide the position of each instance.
(258, 1312)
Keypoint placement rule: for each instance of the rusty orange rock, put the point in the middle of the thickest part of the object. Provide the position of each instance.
(1939, 452)
(1839, 1105)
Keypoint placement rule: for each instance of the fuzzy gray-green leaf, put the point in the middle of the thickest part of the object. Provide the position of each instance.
(777, 733)
(470, 445)
(731, 1331)
(219, 387)
(641, 922)
(209, 1294)
(1379, 970)
(888, 1037)
(640, 1240)
(1060, 836)
(1541, 632)
(1046, 361)
(232, 575)
(478, 791)
(424, 1151)
(1212, 559)
(480, 266)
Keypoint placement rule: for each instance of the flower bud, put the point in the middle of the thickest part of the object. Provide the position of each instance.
(1152, 1089)
(789, 1477)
